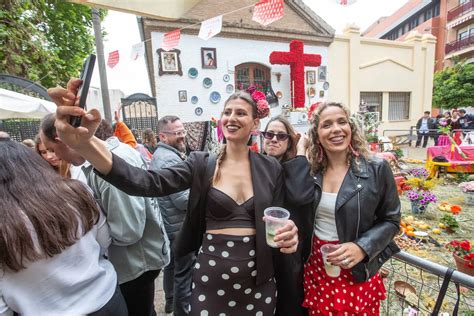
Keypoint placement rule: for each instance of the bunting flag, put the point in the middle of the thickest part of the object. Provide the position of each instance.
(210, 28)
(138, 50)
(345, 2)
(113, 59)
(268, 11)
(171, 40)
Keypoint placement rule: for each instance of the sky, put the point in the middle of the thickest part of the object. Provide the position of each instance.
(131, 76)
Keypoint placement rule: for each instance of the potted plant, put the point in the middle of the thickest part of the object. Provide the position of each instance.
(417, 189)
(450, 222)
(463, 255)
(468, 189)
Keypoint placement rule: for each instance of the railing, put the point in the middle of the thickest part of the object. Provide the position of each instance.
(460, 10)
(460, 44)
(426, 278)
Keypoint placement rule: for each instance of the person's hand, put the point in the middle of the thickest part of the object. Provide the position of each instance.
(294, 141)
(67, 105)
(302, 146)
(347, 255)
(286, 237)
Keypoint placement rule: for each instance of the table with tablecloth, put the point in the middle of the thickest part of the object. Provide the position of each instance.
(455, 163)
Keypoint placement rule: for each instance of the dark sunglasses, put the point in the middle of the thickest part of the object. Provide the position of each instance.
(279, 136)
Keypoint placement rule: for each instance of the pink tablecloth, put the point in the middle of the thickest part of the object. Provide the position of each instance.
(446, 152)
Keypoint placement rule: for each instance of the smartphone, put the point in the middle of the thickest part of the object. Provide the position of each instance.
(86, 76)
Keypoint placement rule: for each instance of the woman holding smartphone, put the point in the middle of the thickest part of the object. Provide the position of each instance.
(228, 195)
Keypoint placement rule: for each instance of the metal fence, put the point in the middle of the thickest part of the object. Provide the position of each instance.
(414, 284)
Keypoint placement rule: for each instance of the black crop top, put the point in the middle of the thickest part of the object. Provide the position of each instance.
(223, 212)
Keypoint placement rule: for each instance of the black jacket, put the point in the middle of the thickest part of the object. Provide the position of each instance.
(368, 188)
(191, 174)
(430, 123)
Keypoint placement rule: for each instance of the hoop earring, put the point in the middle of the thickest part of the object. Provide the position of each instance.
(354, 152)
(320, 153)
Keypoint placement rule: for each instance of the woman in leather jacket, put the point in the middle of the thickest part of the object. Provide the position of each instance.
(355, 207)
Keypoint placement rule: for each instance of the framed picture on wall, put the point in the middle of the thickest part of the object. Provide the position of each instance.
(311, 77)
(169, 62)
(183, 96)
(208, 58)
(322, 73)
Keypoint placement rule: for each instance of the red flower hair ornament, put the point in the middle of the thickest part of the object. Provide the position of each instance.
(263, 110)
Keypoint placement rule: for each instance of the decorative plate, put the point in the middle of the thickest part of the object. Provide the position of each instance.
(279, 94)
(194, 100)
(207, 82)
(229, 88)
(215, 97)
(326, 85)
(303, 117)
(226, 78)
(192, 73)
(198, 111)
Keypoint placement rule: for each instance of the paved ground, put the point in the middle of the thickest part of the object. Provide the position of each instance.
(411, 152)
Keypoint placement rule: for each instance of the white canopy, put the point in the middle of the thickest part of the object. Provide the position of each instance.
(17, 105)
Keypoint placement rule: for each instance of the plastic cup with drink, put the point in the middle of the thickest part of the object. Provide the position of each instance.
(331, 270)
(275, 218)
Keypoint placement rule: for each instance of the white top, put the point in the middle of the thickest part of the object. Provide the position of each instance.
(78, 174)
(78, 281)
(325, 220)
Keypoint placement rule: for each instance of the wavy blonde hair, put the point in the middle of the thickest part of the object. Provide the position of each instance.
(358, 142)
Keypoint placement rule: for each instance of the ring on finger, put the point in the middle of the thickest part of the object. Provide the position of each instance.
(345, 262)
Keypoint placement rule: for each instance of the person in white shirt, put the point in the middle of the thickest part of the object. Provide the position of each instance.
(53, 240)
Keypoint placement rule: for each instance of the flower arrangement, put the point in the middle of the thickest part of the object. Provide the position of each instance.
(462, 249)
(467, 186)
(263, 109)
(450, 222)
(417, 189)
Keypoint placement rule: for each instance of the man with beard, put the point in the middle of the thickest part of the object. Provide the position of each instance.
(177, 276)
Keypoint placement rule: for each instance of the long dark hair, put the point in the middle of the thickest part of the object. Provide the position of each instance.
(41, 212)
(289, 129)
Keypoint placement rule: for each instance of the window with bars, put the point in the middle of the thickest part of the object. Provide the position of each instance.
(398, 106)
(373, 101)
(252, 74)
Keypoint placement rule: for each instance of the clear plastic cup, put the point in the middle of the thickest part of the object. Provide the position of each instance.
(331, 270)
(275, 217)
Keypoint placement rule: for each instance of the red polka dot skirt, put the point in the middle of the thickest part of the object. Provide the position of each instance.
(338, 296)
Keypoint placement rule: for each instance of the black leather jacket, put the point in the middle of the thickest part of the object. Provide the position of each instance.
(367, 210)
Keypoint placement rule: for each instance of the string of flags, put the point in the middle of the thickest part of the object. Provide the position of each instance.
(265, 12)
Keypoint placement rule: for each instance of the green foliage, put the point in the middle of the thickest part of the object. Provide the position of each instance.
(450, 221)
(454, 87)
(45, 41)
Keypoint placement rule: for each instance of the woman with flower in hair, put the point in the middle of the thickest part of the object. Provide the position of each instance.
(228, 194)
(355, 212)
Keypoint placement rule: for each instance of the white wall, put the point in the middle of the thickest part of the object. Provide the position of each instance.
(229, 53)
(94, 99)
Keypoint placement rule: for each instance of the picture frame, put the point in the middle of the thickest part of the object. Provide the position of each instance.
(183, 96)
(208, 58)
(322, 73)
(311, 77)
(321, 93)
(169, 62)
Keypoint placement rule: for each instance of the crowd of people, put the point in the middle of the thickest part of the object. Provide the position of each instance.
(458, 122)
(91, 217)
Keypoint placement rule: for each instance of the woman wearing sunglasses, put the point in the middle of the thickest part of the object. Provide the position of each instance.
(280, 141)
(234, 270)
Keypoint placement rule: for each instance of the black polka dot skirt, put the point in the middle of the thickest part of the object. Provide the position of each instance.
(224, 279)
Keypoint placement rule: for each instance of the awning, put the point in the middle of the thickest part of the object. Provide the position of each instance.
(17, 105)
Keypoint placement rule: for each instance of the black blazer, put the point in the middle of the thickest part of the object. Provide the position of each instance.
(267, 184)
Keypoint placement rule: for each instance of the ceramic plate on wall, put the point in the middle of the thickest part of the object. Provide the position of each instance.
(326, 85)
(198, 111)
(192, 72)
(194, 100)
(229, 88)
(226, 78)
(279, 94)
(207, 82)
(215, 97)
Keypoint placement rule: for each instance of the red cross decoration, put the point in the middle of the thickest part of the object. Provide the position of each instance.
(113, 59)
(297, 60)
